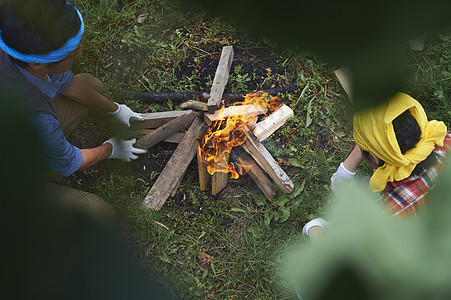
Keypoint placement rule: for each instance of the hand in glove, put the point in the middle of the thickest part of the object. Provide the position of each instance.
(124, 114)
(123, 149)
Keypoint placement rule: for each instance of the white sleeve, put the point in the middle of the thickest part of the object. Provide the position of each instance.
(339, 177)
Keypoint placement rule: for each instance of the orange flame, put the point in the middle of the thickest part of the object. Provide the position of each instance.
(218, 141)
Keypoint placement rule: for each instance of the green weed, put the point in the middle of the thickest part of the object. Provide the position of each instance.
(237, 81)
(428, 77)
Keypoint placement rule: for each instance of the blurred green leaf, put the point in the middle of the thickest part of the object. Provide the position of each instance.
(296, 163)
(366, 248)
(299, 189)
(282, 200)
(260, 200)
(236, 209)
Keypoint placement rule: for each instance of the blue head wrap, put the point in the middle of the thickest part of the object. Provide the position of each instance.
(52, 56)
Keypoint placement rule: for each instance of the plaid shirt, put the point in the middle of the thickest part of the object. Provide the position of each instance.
(407, 197)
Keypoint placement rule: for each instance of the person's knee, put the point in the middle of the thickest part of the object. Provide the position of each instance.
(92, 81)
(82, 202)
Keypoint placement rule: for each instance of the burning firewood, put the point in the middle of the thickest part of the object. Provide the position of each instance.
(204, 176)
(219, 178)
(229, 129)
(217, 142)
(238, 110)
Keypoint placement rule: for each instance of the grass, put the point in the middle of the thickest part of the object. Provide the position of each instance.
(230, 246)
(429, 75)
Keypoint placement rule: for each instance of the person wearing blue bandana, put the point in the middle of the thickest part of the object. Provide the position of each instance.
(39, 41)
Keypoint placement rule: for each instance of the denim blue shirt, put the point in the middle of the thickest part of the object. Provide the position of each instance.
(63, 157)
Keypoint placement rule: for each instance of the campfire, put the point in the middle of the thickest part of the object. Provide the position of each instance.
(227, 132)
(227, 141)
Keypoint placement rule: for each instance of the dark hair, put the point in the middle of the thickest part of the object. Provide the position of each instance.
(38, 26)
(407, 131)
(408, 134)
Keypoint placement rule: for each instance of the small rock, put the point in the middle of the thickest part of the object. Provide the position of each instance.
(142, 18)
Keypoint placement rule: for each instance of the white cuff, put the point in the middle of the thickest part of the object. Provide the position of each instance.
(117, 110)
(339, 177)
(318, 222)
(112, 147)
(342, 168)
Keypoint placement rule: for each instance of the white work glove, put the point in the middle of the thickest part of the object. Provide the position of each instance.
(124, 114)
(340, 177)
(123, 149)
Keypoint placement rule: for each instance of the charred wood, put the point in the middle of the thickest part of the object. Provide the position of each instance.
(255, 172)
(202, 96)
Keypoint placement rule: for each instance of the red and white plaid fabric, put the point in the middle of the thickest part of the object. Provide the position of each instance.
(407, 197)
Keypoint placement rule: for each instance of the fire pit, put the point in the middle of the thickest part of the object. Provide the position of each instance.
(226, 140)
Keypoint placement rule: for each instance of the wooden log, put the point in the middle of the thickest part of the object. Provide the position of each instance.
(345, 78)
(166, 130)
(201, 132)
(219, 179)
(194, 105)
(267, 127)
(220, 80)
(155, 120)
(204, 176)
(265, 160)
(175, 138)
(251, 124)
(174, 169)
(245, 110)
(174, 191)
(256, 173)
